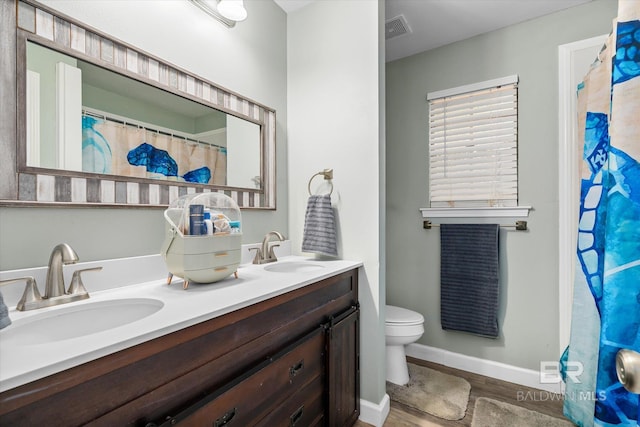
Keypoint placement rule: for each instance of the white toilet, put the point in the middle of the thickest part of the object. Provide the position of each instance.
(402, 327)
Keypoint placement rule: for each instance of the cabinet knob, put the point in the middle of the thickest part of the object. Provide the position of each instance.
(295, 369)
(226, 418)
(296, 416)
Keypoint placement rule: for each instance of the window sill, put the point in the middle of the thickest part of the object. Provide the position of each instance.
(494, 212)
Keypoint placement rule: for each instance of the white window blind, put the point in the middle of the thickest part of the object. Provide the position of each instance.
(473, 145)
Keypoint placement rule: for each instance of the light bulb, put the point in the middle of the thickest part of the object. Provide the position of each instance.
(232, 9)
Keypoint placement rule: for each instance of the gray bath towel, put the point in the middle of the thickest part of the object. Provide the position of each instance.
(320, 227)
(469, 278)
(4, 314)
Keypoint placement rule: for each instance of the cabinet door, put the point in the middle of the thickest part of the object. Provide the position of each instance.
(343, 369)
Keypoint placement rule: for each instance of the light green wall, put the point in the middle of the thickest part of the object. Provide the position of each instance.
(154, 114)
(215, 120)
(529, 268)
(110, 102)
(249, 59)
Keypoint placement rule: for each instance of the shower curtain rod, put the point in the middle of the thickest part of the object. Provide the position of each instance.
(519, 225)
(140, 125)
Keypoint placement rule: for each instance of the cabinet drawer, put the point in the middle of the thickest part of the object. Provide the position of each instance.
(305, 408)
(211, 259)
(189, 245)
(257, 393)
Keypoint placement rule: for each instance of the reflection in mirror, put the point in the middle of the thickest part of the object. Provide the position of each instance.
(81, 117)
(52, 169)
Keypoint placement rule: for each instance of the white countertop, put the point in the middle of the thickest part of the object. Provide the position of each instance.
(23, 363)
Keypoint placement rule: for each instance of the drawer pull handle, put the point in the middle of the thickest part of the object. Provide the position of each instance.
(221, 254)
(296, 416)
(295, 369)
(226, 418)
(220, 269)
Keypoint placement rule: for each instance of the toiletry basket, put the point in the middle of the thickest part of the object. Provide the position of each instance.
(202, 258)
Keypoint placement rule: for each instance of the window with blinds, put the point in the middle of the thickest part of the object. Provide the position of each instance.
(473, 145)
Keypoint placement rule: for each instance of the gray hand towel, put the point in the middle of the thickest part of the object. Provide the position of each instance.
(320, 227)
(469, 278)
(4, 314)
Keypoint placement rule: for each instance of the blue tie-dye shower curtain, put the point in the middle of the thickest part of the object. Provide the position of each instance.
(606, 307)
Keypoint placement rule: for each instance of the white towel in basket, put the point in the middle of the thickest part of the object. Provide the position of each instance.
(320, 226)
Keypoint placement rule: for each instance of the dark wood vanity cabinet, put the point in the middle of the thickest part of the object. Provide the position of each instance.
(291, 360)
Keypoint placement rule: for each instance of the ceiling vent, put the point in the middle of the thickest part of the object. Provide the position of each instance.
(396, 27)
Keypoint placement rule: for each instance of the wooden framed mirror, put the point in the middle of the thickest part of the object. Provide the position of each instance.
(100, 122)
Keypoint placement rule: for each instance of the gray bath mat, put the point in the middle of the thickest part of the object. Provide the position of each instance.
(493, 413)
(433, 392)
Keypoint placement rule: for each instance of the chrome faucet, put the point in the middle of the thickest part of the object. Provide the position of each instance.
(54, 293)
(265, 254)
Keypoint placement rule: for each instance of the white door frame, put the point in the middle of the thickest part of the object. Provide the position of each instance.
(568, 179)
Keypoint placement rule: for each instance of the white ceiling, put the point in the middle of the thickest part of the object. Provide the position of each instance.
(435, 23)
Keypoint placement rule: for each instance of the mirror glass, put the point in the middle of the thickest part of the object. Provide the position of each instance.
(81, 117)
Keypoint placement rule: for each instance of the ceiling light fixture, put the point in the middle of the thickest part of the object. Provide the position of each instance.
(232, 9)
(227, 12)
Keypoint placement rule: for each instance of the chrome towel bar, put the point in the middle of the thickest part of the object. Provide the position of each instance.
(519, 225)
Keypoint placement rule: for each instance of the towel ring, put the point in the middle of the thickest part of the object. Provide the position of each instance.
(328, 175)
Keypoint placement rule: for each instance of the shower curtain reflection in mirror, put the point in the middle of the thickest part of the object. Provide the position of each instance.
(110, 147)
(81, 117)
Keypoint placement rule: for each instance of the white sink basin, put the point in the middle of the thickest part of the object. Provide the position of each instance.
(294, 267)
(78, 320)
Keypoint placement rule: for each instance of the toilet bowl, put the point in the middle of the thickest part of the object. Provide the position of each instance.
(402, 327)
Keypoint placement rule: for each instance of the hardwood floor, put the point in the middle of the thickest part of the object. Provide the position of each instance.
(481, 386)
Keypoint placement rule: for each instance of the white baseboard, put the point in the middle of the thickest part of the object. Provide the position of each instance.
(489, 368)
(374, 414)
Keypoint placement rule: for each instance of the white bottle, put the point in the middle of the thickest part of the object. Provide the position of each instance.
(208, 223)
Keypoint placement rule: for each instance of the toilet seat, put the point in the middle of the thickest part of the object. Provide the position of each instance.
(398, 316)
